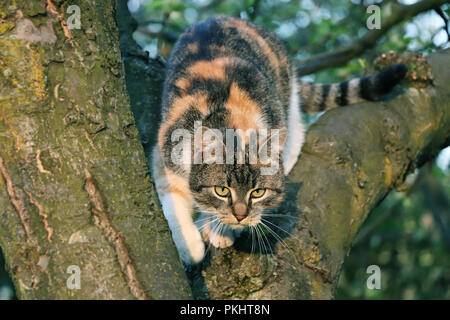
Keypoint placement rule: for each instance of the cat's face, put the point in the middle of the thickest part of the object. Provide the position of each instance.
(236, 194)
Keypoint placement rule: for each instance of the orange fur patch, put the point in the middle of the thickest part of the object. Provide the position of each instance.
(244, 112)
(214, 69)
(183, 83)
(168, 181)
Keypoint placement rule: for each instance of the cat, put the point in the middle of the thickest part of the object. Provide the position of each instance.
(227, 74)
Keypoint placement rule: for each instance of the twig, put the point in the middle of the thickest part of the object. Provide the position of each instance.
(399, 13)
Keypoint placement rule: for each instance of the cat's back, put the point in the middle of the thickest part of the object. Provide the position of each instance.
(228, 73)
(221, 50)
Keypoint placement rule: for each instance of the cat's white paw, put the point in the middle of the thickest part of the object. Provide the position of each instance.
(194, 253)
(218, 236)
(224, 239)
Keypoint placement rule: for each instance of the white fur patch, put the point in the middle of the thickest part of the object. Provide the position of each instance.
(296, 130)
(185, 234)
(222, 236)
(178, 213)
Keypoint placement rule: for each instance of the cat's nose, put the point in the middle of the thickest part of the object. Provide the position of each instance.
(240, 211)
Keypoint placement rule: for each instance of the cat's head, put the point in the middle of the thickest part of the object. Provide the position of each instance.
(238, 193)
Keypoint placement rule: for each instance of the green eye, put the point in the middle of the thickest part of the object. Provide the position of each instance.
(222, 191)
(258, 193)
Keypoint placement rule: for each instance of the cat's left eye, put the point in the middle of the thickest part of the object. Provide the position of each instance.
(222, 191)
(258, 193)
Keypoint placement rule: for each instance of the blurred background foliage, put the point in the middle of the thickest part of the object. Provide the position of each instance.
(408, 235)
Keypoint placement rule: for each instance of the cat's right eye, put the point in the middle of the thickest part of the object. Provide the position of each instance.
(222, 191)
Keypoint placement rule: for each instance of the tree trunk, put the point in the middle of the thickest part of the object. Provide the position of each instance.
(74, 182)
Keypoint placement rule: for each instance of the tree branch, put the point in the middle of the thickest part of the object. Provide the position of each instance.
(352, 158)
(399, 14)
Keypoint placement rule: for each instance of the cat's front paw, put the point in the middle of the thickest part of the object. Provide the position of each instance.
(224, 239)
(194, 253)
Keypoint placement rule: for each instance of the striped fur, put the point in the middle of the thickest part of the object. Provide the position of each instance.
(317, 97)
(231, 74)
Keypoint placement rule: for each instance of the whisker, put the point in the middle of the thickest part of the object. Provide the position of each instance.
(204, 225)
(273, 233)
(205, 218)
(213, 230)
(280, 228)
(262, 244)
(253, 239)
(275, 215)
(282, 242)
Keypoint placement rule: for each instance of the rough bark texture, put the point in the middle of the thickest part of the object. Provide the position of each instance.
(74, 182)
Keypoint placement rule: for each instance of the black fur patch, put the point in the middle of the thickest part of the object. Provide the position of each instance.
(373, 87)
(342, 97)
(325, 91)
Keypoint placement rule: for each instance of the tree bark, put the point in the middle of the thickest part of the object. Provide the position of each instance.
(74, 181)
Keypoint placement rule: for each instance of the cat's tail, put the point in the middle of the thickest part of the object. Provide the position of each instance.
(317, 97)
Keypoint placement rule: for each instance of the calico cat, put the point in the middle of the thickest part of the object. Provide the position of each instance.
(229, 74)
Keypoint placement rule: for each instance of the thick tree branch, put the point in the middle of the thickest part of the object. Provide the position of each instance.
(399, 14)
(352, 158)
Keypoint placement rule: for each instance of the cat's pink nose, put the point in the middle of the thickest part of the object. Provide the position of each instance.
(240, 211)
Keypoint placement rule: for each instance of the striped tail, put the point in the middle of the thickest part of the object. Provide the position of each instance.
(321, 97)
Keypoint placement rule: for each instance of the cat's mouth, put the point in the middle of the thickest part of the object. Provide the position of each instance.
(237, 225)
(242, 223)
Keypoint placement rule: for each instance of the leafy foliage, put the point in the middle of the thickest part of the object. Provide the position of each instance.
(404, 239)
